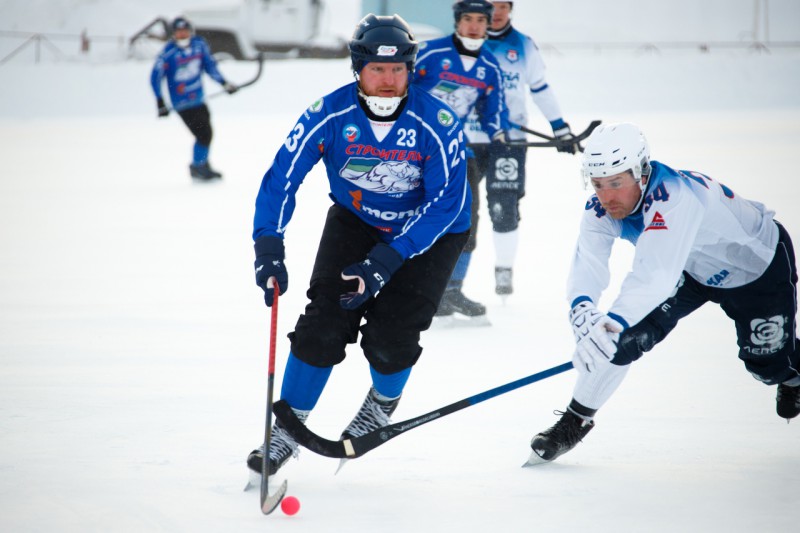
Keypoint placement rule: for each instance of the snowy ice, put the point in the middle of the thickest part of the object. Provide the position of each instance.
(133, 340)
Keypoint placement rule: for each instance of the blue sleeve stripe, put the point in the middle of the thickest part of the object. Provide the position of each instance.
(539, 89)
(580, 299)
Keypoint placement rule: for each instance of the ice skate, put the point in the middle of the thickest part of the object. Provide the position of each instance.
(373, 414)
(788, 401)
(559, 439)
(502, 281)
(203, 172)
(282, 447)
(457, 310)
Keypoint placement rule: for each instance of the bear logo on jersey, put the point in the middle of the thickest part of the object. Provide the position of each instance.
(459, 97)
(383, 177)
(351, 133)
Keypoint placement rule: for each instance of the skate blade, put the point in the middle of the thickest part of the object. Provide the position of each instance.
(534, 460)
(451, 322)
(341, 465)
(254, 481)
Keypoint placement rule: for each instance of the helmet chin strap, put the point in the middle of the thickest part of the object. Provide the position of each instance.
(471, 44)
(643, 179)
(382, 106)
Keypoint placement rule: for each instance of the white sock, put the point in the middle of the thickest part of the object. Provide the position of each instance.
(594, 389)
(505, 248)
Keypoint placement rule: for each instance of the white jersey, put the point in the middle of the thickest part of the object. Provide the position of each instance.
(523, 74)
(689, 223)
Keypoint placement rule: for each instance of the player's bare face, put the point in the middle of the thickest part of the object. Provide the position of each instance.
(181, 34)
(501, 15)
(472, 25)
(384, 79)
(618, 194)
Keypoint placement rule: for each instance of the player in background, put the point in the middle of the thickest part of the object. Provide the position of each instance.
(696, 242)
(504, 165)
(182, 62)
(396, 164)
(459, 70)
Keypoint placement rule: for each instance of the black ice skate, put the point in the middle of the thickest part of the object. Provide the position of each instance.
(455, 303)
(281, 448)
(559, 439)
(788, 401)
(374, 414)
(502, 281)
(203, 172)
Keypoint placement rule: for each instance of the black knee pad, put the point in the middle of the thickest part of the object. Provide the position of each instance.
(504, 212)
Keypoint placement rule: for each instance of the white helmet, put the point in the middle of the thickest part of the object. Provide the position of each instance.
(614, 148)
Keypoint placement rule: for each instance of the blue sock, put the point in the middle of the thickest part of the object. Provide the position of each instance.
(389, 385)
(460, 271)
(200, 154)
(303, 383)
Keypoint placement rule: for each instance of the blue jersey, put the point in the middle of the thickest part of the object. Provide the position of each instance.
(441, 71)
(411, 185)
(183, 68)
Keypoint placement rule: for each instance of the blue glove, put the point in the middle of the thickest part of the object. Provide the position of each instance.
(269, 263)
(565, 138)
(372, 274)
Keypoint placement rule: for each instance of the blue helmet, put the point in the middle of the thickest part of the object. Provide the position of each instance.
(180, 23)
(483, 7)
(384, 39)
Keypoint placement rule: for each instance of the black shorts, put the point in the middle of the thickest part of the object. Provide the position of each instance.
(763, 312)
(392, 321)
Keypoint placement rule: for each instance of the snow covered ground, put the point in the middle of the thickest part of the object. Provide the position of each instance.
(133, 341)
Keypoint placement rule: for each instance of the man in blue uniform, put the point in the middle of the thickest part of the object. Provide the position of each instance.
(460, 71)
(183, 61)
(396, 164)
(504, 165)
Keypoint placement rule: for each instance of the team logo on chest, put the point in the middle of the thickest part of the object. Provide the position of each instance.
(351, 133)
(512, 55)
(446, 64)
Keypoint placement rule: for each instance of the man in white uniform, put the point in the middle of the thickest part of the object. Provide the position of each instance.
(696, 241)
(504, 164)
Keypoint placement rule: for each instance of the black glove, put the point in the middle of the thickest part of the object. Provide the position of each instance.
(163, 110)
(565, 139)
(229, 87)
(269, 263)
(372, 274)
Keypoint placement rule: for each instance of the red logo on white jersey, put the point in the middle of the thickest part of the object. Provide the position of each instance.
(657, 222)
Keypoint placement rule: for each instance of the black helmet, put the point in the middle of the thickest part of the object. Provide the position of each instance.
(180, 23)
(385, 39)
(483, 7)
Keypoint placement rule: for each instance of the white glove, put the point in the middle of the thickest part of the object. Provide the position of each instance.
(595, 335)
